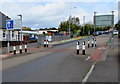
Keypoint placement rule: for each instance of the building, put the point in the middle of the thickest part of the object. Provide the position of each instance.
(3, 19)
(14, 35)
(47, 31)
(5, 35)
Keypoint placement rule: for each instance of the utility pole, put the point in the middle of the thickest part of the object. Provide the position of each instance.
(83, 25)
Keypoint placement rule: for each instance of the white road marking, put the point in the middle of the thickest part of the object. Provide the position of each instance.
(88, 74)
(87, 58)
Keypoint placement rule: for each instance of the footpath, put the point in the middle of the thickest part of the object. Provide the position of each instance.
(106, 70)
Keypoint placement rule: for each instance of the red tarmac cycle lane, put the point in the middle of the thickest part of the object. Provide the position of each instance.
(97, 55)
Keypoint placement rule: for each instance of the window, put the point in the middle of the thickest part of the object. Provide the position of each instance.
(3, 33)
(12, 34)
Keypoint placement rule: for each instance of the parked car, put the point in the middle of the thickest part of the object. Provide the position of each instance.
(106, 32)
(115, 32)
(95, 33)
(101, 32)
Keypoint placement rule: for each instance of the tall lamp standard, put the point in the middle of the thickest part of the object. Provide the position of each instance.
(112, 21)
(21, 25)
(70, 23)
(94, 22)
(94, 28)
(83, 25)
(112, 18)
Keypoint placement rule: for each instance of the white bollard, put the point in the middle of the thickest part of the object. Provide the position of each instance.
(14, 49)
(20, 48)
(25, 47)
(44, 43)
(78, 47)
(88, 43)
(95, 42)
(47, 43)
(83, 48)
(92, 42)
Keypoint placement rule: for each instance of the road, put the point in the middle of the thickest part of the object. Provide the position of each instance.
(61, 65)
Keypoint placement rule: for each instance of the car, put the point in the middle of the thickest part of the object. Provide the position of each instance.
(95, 33)
(115, 32)
(106, 32)
(101, 32)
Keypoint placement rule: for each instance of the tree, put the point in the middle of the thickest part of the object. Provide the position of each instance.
(63, 26)
(26, 28)
(87, 28)
(77, 20)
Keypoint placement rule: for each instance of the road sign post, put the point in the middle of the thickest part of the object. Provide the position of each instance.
(9, 26)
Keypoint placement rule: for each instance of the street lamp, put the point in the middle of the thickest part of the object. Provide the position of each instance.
(94, 22)
(21, 25)
(112, 21)
(70, 22)
(83, 25)
(112, 18)
(94, 27)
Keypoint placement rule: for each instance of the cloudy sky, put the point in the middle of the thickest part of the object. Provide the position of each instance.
(49, 13)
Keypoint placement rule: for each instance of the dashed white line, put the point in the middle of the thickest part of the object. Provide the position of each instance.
(88, 74)
(87, 58)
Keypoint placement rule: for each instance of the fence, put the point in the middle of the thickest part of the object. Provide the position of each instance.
(41, 38)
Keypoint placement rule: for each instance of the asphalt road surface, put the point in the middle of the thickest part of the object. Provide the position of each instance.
(59, 66)
(62, 65)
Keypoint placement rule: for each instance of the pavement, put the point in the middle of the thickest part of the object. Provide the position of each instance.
(57, 64)
(107, 70)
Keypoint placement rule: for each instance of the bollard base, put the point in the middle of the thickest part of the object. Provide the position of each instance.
(88, 45)
(44, 45)
(83, 52)
(95, 45)
(92, 45)
(77, 52)
(25, 50)
(14, 52)
(20, 51)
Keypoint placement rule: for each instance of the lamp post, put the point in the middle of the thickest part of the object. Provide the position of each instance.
(94, 28)
(69, 25)
(21, 25)
(112, 24)
(70, 22)
(94, 22)
(83, 25)
(112, 18)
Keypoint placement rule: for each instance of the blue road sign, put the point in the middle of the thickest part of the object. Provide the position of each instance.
(9, 24)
